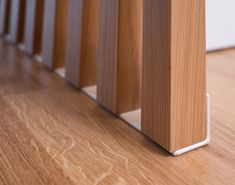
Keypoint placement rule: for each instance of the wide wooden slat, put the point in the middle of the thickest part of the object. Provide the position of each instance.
(119, 69)
(16, 27)
(33, 26)
(4, 16)
(54, 33)
(82, 45)
(174, 84)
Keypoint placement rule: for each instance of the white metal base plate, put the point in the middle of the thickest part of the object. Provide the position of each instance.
(61, 72)
(90, 91)
(202, 143)
(21, 46)
(38, 58)
(133, 118)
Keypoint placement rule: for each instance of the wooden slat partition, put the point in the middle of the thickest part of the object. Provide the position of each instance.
(4, 16)
(119, 69)
(82, 45)
(33, 26)
(16, 27)
(174, 83)
(54, 33)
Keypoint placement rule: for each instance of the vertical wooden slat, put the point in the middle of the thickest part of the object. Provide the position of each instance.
(119, 69)
(37, 46)
(54, 33)
(4, 16)
(33, 26)
(29, 25)
(13, 25)
(174, 84)
(16, 27)
(48, 37)
(82, 45)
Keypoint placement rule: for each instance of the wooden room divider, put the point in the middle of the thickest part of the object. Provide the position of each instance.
(82, 43)
(144, 59)
(33, 26)
(54, 33)
(4, 17)
(113, 63)
(16, 25)
(169, 61)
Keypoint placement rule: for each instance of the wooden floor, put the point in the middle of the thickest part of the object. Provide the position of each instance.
(50, 133)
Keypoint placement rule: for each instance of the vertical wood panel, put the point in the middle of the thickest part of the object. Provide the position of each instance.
(89, 42)
(29, 25)
(4, 16)
(129, 55)
(108, 52)
(73, 50)
(54, 33)
(48, 32)
(16, 27)
(60, 33)
(174, 85)
(82, 46)
(13, 25)
(38, 26)
(33, 26)
(119, 69)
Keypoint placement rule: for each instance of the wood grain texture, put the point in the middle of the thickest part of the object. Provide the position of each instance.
(54, 33)
(4, 16)
(16, 25)
(174, 84)
(33, 26)
(119, 69)
(52, 134)
(83, 31)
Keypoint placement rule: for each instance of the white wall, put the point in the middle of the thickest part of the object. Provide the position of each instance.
(220, 24)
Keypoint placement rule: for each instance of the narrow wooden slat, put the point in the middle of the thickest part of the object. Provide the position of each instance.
(33, 26)
(16, 27)
(119, 69)
(4, 16)
(54, 33)
(29, 25)
(174, 84)
(48, 37)
(82, 45)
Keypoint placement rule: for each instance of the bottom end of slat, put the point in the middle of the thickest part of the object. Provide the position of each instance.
(202, 143)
